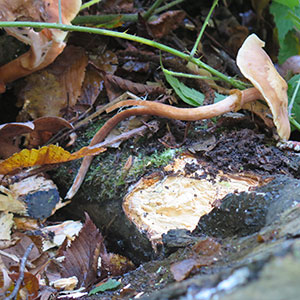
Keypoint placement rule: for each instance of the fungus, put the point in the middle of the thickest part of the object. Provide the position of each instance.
(46, 45)
(255, 65)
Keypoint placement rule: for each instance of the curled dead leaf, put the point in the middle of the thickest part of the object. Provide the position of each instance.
(46, 155)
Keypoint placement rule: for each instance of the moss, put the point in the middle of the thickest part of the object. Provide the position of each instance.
(156, 160)
(106, 178)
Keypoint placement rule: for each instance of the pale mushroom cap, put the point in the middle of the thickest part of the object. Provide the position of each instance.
(257, 66)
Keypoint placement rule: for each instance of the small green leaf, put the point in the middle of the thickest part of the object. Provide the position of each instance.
(282, 20)
(289, 3)
(110, 284)
(186, 94)
(292, 84)
(289, 47)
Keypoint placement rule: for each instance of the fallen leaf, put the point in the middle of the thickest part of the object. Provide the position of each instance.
(81, 258)
(44, 129)
(55, 89)
(166, 22)
(29, 287)
(46, 155)
(182, 269)
(115, 264)
(207, 252)
(8, 144)
(115, 86)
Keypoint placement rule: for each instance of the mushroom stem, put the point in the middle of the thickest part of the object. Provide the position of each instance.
(23, 65)
(233, 102)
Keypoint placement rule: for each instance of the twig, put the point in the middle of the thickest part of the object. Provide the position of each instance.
(21, 271)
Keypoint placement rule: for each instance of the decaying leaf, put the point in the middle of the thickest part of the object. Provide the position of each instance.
(29, 288)
(12, 256)
(115, 86)
(207, 252)
(166, 22)
(81, 258)
(46, 155)
(8, 133)
(56, 88)
(37, 133)
(44, 129)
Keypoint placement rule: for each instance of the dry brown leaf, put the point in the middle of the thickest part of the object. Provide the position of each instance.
(56, 88)
(12, 256)
(115, 264)
(81, 258)
(113, 6)
(46, 155)
(44, 129)
(8, 144)
(208, 251)
(115, 86)
(166, 22)
(29, 287)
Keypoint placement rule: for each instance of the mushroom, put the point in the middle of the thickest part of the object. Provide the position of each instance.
(46, 45)
(254, 64)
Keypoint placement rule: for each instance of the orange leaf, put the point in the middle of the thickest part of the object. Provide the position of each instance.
(44, 156)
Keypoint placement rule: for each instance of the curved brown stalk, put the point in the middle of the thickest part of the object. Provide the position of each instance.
(98, 138)
(231, 103)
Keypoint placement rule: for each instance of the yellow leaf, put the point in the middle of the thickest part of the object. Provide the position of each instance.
(44, 156)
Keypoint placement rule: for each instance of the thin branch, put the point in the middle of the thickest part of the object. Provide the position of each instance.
(21, 271)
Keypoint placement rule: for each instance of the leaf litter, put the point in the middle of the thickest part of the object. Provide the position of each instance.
(77, 81)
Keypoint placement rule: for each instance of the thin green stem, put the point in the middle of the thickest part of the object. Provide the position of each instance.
(88, 4)
(167, 6)
(59, 12)
(179, 74)
(123, 35)
(151, 10)
(101, 19)
(295, 123)
(293, 98)
(203, 28)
